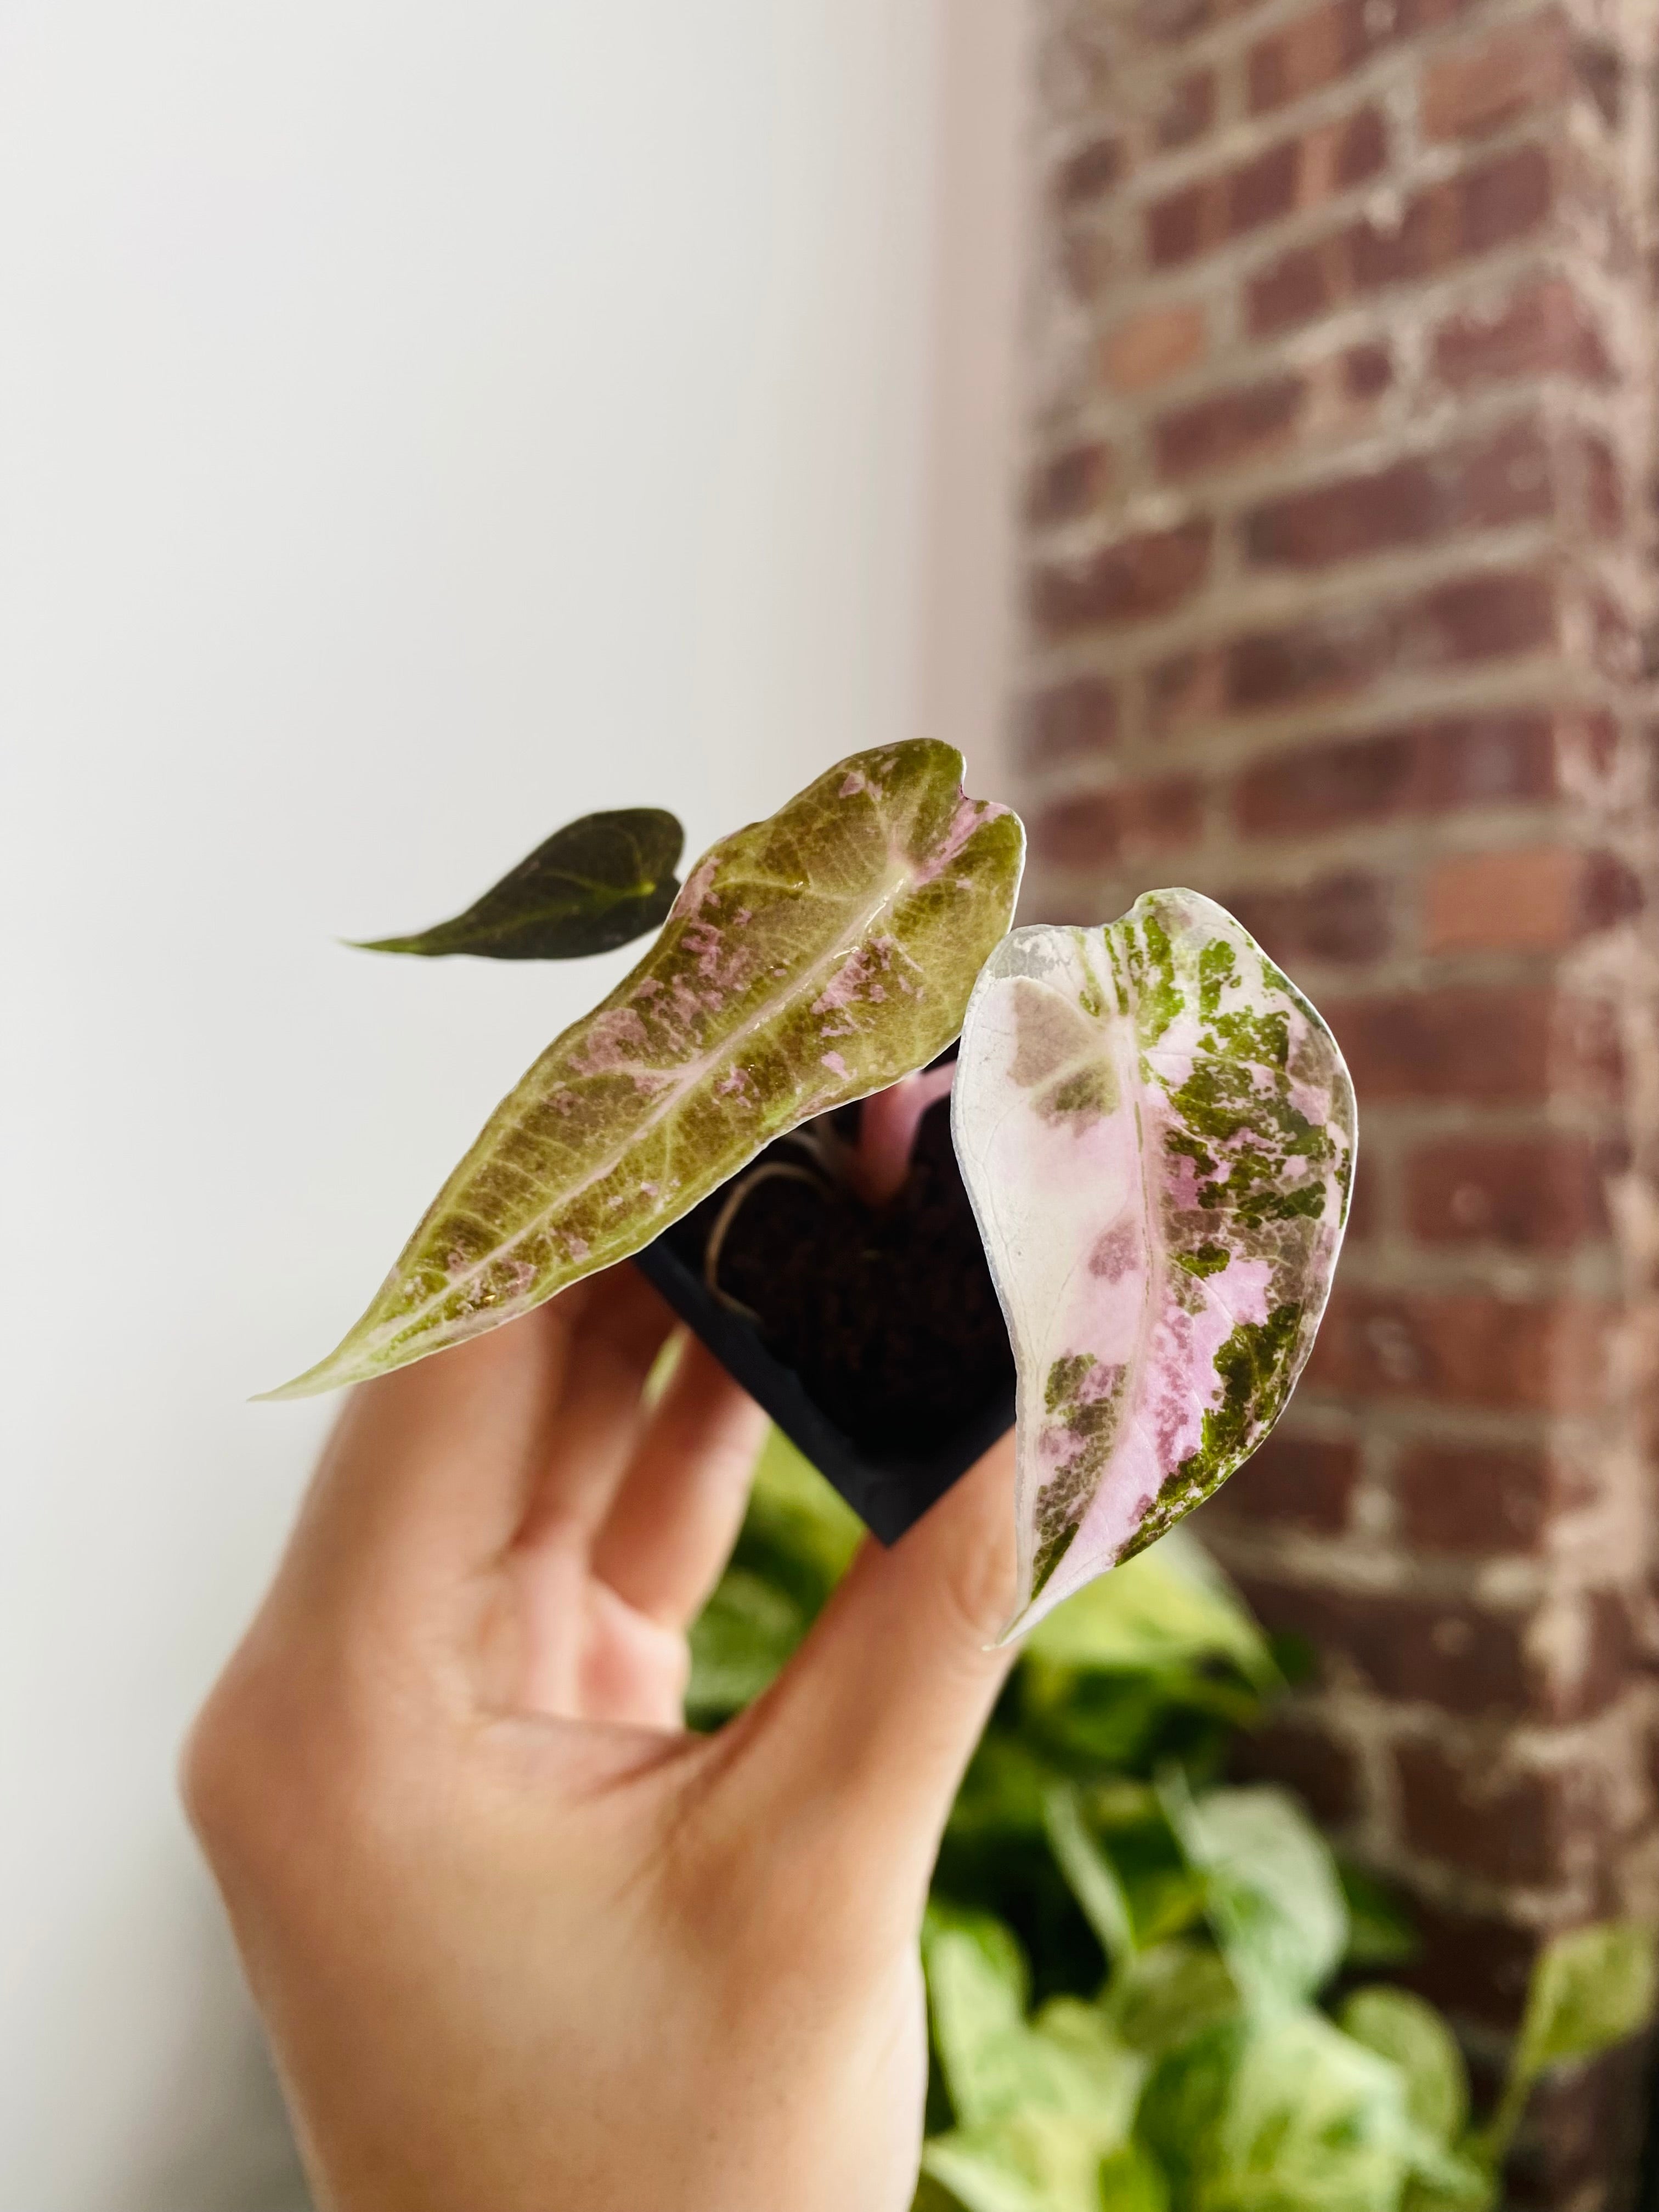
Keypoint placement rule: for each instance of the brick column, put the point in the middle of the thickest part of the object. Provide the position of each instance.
(1336, 581)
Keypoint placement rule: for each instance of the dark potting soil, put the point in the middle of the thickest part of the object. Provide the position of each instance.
(888, 1314)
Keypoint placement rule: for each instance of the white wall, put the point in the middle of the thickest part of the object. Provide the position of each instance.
(418, 425)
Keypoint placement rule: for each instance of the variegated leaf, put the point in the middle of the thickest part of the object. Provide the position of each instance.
(810, 959)
(1158, 1134)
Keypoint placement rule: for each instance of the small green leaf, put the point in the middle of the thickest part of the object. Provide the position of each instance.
(1403, 2027)
(810, 959)
(1168, 1996)
(1591, 1988)
(1028, 2161)
(996, 2063)
(1089, 1874)
(1274, 1898)
(977, 1988)
(599, 883)
(1312, 2122)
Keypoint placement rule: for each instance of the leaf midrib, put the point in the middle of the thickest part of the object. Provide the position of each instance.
(660, 1110)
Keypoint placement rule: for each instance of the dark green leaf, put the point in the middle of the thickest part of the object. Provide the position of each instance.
(810, 959)
(1380, 1931)
(599, 883)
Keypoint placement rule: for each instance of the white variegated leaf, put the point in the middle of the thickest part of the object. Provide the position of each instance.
(1157, 1130)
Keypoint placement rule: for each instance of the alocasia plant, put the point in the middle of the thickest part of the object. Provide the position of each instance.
(810, 959)
(1155, 1128)
(1157, 1131)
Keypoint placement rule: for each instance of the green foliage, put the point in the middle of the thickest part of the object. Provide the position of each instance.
(1125, 1957)
(599, 883)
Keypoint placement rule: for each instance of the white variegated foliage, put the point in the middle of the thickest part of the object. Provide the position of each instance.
(1158, 1134)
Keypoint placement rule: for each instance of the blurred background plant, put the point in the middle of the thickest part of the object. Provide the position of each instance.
(1149, 1990)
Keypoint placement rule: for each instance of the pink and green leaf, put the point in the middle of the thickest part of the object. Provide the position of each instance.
(810, 959)
(1157, 1131)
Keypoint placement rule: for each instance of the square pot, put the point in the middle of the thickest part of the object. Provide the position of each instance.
(885, 1360)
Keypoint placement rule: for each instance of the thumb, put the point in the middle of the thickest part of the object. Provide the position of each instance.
(868, 1730)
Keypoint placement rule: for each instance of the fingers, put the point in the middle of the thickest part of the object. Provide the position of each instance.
(678, 1513)
(865, 1735)
(614, 1340)
(429, 1470)
(434, 1471)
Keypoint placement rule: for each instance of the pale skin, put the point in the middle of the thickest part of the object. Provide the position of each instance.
(521, 1944)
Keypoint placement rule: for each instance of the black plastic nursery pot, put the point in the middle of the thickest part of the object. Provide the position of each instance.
(871, 1335)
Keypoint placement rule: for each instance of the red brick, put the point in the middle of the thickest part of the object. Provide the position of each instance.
(1301, 1482)
(1542, 329)
(1453, 1498)
(1533, 1193)
(1486, 1046)
(1076, 720)
(1185, 693)
(1454, 221)
(1089, 172)
(1295, 173)
(1477, 760)
(1501, 79)
(1315, 50)
(1481, 617)
(1463, 1660)
(1166, 22)
(1478, 484)
(1325, 657)
(1229, 427)
(1323, 1773)
(1367, 370)
(1517, 1828)
(1101, 829)
(1338, 917)
(1524, 899)
(1150, 348)
(1598, 486)
(1133, 581)
(1189, 112)
(1069, 484)
(1471, 1964)
(1306, 281)
(1584, 2127)
(1331, 656)
(1463, 1348)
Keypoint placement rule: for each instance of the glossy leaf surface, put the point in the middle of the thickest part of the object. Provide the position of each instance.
(810, 959)
(599, 883)
(1158, 1134)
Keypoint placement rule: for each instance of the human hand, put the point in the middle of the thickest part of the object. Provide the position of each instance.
(522, 1943)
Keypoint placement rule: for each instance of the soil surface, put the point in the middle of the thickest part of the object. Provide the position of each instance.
(888, 1314)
